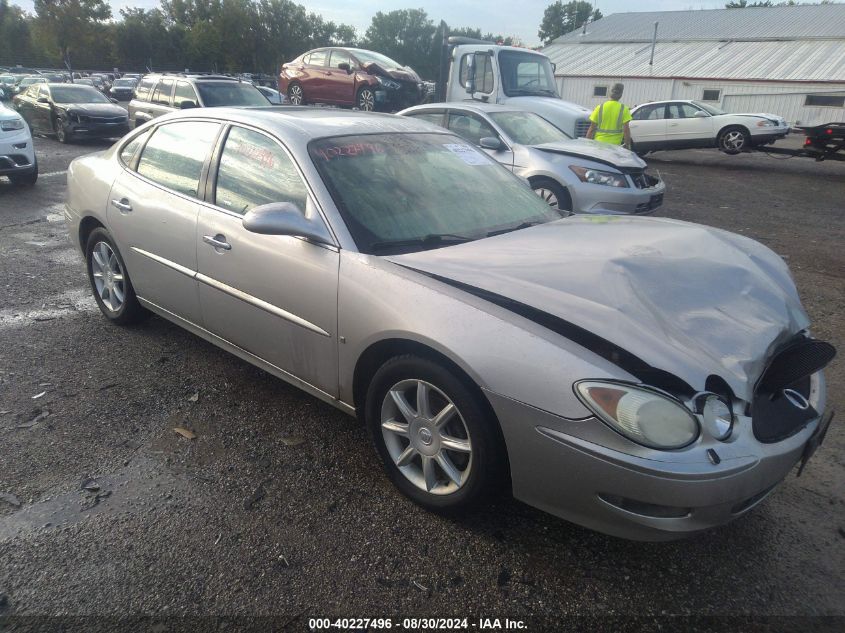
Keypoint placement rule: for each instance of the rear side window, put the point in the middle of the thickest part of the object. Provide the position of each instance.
(255, 170)
(161, 96)
(142, 92)
(175, 154)
(318, 58)
(184, 92)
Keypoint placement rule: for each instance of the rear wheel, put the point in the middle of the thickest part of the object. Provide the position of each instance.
(438, 442)
(366, 99)
(733, 140)
(109, 280)
(296, 96)
(555, 195)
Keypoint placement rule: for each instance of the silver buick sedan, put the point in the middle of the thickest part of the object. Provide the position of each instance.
(644, 377)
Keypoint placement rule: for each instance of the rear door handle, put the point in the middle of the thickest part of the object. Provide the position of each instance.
(217, 241)
(122, 205)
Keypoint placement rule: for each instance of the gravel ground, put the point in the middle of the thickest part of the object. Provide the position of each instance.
(279, 507)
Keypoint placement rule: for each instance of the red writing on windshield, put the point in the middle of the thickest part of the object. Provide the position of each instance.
(354, 149)
(261, 155)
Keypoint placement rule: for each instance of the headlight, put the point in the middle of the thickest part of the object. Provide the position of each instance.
(598, 177)
(765, 124)
(717, 418)
(13, 124)
(388, 83)
(643, 416)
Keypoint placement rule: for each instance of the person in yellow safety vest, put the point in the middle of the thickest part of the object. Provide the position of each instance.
(609, 121)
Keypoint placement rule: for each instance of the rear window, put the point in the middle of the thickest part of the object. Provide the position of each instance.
(229, 93)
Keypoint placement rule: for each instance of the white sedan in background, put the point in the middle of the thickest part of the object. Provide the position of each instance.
(689, 124)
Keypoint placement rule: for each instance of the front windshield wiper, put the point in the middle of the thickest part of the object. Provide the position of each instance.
(515, 92)
(432, 240)
(510, 229)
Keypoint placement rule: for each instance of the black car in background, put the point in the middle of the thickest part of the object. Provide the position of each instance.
(123, 89)
(71, 111)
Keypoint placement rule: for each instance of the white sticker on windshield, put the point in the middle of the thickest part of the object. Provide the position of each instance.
(467, 154)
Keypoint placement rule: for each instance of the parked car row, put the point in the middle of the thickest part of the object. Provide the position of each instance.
(396, 270)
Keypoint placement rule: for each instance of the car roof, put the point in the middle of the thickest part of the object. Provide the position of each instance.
(304, 123)
(472, 106)
(649, 103)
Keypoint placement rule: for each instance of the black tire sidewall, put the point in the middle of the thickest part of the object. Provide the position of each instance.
(489, 455)
(560, 191)
(131, 311)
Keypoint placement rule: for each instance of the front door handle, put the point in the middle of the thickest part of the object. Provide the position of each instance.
(217, 241)
(122, 205)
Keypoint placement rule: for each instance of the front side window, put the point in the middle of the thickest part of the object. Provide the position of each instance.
(483, 73)
(527, 128)
(340, 57)
(174, 155)
(526, 74)
(410, 180)
(255, 170)
(184, 92)
(470, 127)
(682, 111)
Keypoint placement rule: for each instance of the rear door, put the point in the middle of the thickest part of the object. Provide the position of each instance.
(273, 296)
(648, 127)
(315, 84)
(689, 126)
(153, 210)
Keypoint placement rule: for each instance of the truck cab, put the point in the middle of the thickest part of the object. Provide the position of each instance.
(518, 77)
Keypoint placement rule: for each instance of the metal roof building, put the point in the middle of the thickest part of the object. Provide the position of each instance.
(786, 60)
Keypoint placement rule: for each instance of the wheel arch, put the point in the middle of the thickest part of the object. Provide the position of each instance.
(730, 126)
(86, 227)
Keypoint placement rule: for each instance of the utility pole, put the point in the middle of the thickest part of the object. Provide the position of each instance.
(653, 44)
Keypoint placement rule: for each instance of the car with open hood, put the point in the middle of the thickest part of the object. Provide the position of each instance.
(573, 175)
(353, 77)
(646, 377)
(71, 111)
(17, 154)
(662, 125)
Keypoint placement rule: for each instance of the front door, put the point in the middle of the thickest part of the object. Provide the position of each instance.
(153, 215)
(648, 127)
(273, 296)
(473, 128)
(340, 83)
(689, 126)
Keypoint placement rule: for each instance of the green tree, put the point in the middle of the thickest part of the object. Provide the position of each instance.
(15, 37)
(70, 24)
(560, 18)
(408, 36)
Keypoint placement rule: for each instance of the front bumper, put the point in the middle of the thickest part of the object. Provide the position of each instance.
(600, 199)
(17, 155)
(93, 129)
(768, 135)
(651, 496)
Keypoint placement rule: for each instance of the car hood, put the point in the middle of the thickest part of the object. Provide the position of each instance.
(682, 300)
(399, 74)
(614, 155)
(550, 108)
(7, 114)
(94, 109)
(775, 118)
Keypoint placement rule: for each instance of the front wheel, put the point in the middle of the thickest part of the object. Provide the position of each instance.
(63, 135)
(439, 443)
(109, 280)
(734, 140)
(553, 194)
(366, 99)
(296, 96)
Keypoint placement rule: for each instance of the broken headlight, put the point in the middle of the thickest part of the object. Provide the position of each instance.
(388, 83)
(599, 177)
(643, 416)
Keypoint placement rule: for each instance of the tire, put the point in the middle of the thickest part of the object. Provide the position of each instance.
(62, 135)
(734, 140)
(366, 99)
(296, 95)
(476, 474)
(554, 194)
(26, 180)
(115, 297)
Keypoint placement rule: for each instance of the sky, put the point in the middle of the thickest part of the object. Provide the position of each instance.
(521, 17)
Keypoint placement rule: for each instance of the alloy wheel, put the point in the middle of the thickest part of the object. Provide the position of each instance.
(733, 140)
(108, 276)
(295, 94)
(428, 440)
(367, 100)
(548, 196)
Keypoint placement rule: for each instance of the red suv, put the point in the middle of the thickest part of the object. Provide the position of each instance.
(350, 77)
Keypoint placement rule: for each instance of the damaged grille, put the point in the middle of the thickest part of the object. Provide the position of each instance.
(581, 127)
(643, 180)
(776, 411)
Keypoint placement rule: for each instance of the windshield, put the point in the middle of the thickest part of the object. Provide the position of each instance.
(76, 94)
(28, 81)
(366, 57)
(124, 83)
(527, 128)
(229, 93)
(526, 74)
(708, 108)
(401, 193)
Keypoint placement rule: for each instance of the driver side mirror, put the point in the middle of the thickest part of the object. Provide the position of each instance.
(284, 218)
(470, 82)
(699, 114)
(345, 66)
(491, 143)
(187, 103)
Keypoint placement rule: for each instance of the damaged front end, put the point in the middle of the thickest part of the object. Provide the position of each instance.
(397, 88)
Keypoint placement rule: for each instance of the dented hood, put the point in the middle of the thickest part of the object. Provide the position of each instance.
(614, 155)
(399, 74)
(689, 300)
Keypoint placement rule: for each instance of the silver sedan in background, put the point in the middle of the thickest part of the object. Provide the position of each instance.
(577, 175)
(644, 377)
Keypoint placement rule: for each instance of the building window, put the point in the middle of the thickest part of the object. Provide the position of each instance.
(599, 91)
(711, 95)
(825, 100)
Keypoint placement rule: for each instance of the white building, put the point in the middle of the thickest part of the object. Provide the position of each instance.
(784, 60)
